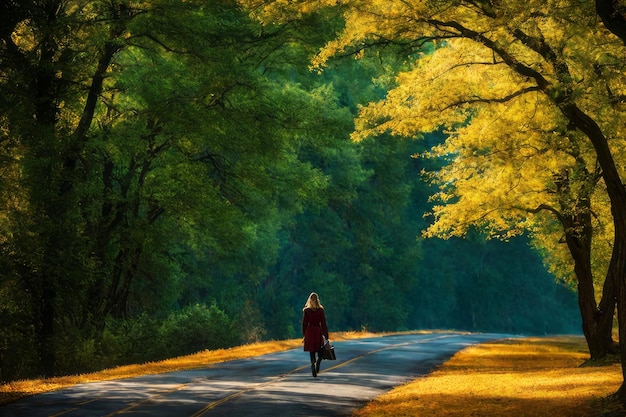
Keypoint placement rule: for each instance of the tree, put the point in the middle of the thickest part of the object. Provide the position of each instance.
(136, 148)
(532, 95)
(172, 162)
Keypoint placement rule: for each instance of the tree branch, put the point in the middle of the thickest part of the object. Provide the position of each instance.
(494, 100)
(508, 59)
(549, 208)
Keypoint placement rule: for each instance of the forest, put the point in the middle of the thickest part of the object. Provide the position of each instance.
(179, 175)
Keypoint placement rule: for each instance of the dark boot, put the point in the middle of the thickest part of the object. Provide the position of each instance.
(317, 365)
(314, 370)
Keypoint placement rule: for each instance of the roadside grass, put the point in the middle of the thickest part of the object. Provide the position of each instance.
(513, 377)
(15, 390)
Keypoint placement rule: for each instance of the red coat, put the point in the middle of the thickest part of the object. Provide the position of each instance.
(313, 327)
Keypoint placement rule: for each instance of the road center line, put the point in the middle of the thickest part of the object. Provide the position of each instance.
(221, 401)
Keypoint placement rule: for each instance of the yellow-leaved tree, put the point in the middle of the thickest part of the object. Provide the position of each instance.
(532, 95)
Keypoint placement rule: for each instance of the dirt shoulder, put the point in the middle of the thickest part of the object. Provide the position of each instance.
(520, 377)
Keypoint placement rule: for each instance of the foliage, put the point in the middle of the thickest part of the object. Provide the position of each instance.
(189, 330)
(531, 98)
(174, 178)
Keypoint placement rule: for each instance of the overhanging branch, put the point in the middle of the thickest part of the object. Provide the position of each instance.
(494, 99)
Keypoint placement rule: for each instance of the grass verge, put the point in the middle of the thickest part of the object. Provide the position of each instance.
(513, 377)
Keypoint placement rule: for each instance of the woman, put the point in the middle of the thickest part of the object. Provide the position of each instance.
(313, 328)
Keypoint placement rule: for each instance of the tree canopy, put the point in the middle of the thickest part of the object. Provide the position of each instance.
(531, 97)
(175, 178)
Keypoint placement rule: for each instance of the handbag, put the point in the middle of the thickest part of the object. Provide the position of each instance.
(328, 350)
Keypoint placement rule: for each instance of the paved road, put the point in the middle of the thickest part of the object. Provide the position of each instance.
(277, 384)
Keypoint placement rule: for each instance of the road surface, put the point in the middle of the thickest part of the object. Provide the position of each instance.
(277, 384)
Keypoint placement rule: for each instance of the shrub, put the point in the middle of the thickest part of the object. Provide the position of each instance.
(195, 328)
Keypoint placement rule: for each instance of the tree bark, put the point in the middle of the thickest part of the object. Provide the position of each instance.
(597, 320)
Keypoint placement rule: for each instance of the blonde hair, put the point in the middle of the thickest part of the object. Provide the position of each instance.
(313, 302)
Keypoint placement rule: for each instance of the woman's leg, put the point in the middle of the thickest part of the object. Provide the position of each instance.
(319, 362)
(313, 365)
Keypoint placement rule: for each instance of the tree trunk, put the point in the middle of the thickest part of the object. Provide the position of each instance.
(42, 144)
(615, 21)
(617, 195)
(45, 329)
(597, 321)
(618, 276)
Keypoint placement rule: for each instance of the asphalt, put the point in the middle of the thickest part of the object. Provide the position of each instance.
(276, 384)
